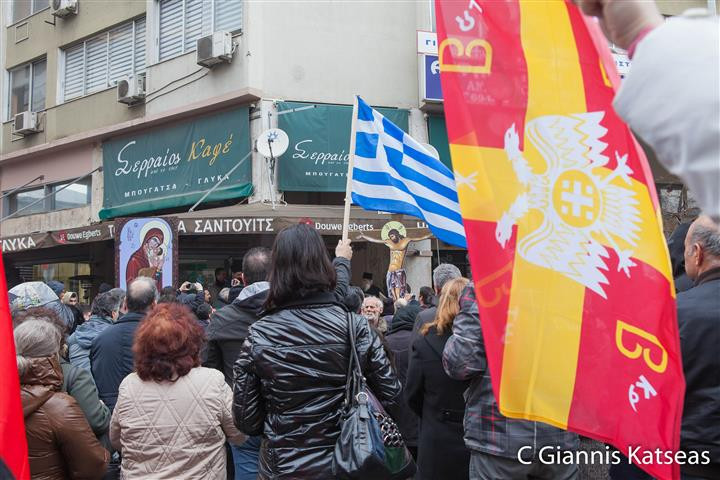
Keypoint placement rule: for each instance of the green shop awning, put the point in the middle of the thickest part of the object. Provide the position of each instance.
(437, 134)
(175, 166)
(316, 160)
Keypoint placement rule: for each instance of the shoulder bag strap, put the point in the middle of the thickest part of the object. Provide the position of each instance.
(355, 380)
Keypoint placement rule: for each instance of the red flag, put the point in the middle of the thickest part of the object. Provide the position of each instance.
(563, 228)
(13, 444)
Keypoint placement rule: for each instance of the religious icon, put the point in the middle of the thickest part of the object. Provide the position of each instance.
(394, 237)
(145, 250)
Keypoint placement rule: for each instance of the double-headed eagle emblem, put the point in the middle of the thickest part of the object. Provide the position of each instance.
(583, 207)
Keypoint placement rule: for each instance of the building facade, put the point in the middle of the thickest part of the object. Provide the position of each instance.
(294, 65)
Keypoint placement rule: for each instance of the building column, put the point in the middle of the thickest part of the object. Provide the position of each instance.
(263, 117)
(419, 267)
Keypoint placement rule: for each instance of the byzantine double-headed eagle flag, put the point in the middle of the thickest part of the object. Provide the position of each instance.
(562, 223)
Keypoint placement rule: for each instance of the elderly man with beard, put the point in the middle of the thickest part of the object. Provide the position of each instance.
(372, 307)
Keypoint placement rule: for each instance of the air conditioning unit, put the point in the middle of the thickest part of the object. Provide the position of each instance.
(26, 123)
(214, 49)
(131, 89)
(63, 8)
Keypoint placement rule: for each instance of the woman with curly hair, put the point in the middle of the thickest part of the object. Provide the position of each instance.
(172, 416)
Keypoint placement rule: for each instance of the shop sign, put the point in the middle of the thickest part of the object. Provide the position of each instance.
(317, 159)
(214, 226)
(95, 233)
(174, 166)
(430, 88)
(427, 42)
(17, 244)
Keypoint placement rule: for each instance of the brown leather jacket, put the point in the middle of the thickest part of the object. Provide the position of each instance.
(61, 444)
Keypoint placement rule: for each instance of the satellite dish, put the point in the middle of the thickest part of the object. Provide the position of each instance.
(272, 143)
(433, 151)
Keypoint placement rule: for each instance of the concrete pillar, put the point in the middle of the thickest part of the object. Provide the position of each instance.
(264, 117)
(419, 268)
(97, 185)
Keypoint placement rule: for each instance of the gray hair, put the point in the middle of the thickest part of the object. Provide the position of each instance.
(708, 237)
(400, 303)
(377, 301)
(35, 339)
(443, 273)
(141, 294)
(106, 303)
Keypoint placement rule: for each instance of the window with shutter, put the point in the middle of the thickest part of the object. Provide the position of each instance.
(100, 61)
(182, 22)
(139, 46)
(171, 28)
(74, 85)
(96, 63)
(120, 52)
(228, 15)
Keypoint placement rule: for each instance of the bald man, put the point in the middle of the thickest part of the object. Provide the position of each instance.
(699, 320)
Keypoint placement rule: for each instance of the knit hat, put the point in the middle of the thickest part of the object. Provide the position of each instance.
(56, 287)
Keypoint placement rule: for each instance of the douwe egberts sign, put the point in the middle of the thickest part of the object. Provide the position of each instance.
(174, 166)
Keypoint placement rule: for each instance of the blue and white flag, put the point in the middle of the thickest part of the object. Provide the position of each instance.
(394, 173)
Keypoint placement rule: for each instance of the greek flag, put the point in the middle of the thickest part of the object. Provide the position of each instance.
(393, 172)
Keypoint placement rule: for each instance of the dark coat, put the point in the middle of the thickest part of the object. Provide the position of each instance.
(399, 339)
(111, 356)
(699, 322)
(229, 326)
(486, 429)
(60, 442)
(426, 315)
(229, 329)
(676, 248)
(438, 400)
(290, 382)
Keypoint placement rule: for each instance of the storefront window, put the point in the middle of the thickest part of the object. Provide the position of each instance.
(194, 270)
(69, 273)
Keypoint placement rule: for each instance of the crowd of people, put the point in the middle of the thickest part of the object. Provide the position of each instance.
(248, 380)
(160, 384)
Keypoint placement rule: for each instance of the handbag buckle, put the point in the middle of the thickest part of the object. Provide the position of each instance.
(362, 397)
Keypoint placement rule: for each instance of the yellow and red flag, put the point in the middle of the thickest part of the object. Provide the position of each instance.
(563, 227)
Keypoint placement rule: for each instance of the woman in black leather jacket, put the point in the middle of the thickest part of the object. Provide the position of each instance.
(290, 376)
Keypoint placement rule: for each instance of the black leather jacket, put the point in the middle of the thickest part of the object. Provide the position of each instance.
(290, 384)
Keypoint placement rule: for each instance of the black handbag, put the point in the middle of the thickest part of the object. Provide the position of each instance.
(370, 445)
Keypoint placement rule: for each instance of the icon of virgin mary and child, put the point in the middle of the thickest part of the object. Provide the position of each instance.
(148, 259)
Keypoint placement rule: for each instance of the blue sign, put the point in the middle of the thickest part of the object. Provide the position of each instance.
(431, 75)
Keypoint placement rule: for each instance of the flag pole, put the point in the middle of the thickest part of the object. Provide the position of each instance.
(351, 162)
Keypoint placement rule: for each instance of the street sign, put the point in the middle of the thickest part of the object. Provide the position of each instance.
(430, 88)
(427, 42)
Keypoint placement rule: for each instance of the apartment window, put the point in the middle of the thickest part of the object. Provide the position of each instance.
(51, 197)
(99, 62)
(20, 200)
(74, 195)
(182, 22)
(27, 87)
(24, 8)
